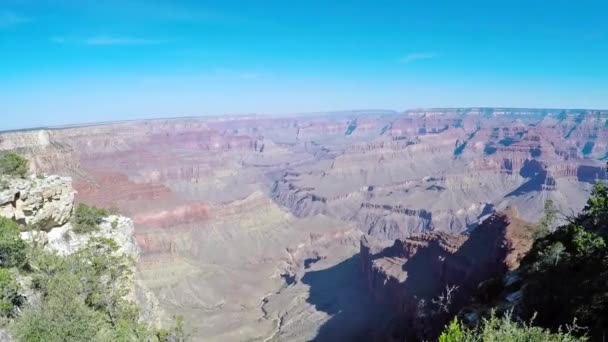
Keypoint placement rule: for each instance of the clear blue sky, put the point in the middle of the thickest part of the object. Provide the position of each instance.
(81, 61)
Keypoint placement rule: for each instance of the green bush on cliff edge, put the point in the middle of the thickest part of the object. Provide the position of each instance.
(13, 164)
(88, 218)
(502, 329)
(80, 297)
(563, 281)
(12, 248)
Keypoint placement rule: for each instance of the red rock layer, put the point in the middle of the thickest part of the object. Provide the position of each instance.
(184, 214)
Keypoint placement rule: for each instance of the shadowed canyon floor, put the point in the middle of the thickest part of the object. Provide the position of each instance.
(251, 226)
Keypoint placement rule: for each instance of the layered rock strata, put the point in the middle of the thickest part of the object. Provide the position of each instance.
(409, 274)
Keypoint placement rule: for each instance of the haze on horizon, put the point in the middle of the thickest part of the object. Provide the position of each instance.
(65, 62)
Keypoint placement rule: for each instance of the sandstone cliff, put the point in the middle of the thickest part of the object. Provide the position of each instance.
(413, 272)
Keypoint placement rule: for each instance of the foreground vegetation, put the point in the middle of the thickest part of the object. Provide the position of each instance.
(564, 281)
(566, 272)
(503, 329)
(12, 164)
(88, 218)
(80, 297)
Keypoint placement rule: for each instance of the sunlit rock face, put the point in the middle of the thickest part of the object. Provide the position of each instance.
(64, 240)
(43, 206)
(394, 273)
(241, 220)
(41, 202)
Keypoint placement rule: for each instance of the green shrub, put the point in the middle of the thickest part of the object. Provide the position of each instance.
(454, 332)
(61, 316)
(84, 297)
(177, 333)
(495, 329)
(12, 248)
(544, 226)
(13, 164)
(565, 275)
(87, 218)
(4, 184)
(9, 293)
(566, 272)
(595, 213)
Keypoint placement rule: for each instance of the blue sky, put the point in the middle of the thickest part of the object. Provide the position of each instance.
(77, 61)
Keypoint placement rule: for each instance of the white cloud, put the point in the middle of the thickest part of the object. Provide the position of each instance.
(8, 19)
(417, 56)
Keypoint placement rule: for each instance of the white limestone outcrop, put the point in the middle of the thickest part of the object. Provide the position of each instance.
(41, 202)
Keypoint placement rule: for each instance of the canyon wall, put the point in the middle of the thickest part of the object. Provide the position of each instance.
(241, 219)
(410, 275)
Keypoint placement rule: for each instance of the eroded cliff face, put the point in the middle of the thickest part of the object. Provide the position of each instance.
(445, 169)
(382, 171)
(227, 210)
(44, 207)
(411, 273)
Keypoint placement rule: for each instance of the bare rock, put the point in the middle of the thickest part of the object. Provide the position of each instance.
(4, 336)
(419, 268)
(44, 203)
(65, 241)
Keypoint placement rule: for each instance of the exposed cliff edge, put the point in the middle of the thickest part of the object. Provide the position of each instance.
(412, 273)
(44, 207)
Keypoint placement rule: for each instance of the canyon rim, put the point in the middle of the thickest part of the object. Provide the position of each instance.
(304, 227)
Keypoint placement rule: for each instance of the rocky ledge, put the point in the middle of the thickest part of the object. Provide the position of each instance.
(43, 206)
(65, 241)
(412, 273)
(40, 202)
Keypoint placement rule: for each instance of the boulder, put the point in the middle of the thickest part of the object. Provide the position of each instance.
(40, 202)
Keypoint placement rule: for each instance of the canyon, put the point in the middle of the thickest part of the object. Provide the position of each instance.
(323, 226)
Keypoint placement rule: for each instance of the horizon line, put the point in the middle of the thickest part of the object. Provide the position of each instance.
(292, 114)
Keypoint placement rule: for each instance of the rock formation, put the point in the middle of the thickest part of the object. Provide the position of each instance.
(41, 202)
(43, 206)
(254, 200)
(413, 272)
